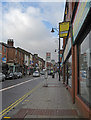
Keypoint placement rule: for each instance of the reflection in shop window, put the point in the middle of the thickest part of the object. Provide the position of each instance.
(85, 68)
(66, 73)
(70, 71)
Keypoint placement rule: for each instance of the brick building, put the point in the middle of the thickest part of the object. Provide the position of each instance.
(11, 61)
(3, 57)
(76, 66)
(18, 60)
(0, 58)
(38, 62)
(26, 60)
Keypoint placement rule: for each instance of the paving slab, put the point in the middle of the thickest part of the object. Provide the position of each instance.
(53, 101)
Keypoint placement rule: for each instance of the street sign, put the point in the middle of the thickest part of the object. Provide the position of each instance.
(63, 29)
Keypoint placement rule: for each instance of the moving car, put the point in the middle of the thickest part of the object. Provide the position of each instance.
(36, 74)
(42, 72)
(2, 77)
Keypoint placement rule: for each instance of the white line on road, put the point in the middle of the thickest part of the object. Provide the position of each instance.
(16, 85)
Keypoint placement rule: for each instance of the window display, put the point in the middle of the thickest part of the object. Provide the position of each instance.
(85, 68)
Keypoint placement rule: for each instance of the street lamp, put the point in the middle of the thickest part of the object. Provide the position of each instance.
(53, 30)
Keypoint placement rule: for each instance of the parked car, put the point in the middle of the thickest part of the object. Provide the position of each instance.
(36, 74)
(2, 77)
(19, 75)
(16, 75)
(9, 76)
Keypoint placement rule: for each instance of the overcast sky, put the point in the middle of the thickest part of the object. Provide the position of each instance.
(30, 23)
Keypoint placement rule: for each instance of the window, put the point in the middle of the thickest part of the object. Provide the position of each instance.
(4, 49)
(68, 71)
(85, 69)
(16, 52)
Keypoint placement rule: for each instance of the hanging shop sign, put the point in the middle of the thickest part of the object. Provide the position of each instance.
(63, 29)
(67, 48)
(81, 14)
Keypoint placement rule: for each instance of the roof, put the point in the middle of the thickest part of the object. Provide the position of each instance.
(6, 45)
(24, 51)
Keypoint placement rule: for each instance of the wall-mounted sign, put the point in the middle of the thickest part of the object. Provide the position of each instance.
(4, 59)
(63, 29)
(67, 49)
(48, 56)
(81, 14)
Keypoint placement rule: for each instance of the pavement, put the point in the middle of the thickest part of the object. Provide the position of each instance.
(52, 101)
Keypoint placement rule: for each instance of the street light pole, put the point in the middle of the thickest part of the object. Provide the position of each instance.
(59, 47)
(59, 58)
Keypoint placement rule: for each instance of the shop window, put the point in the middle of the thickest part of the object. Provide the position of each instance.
(70, 71)
(66, 73)
(85, 69)
(62, 73)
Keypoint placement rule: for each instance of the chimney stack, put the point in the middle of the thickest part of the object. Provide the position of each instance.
(10, 42)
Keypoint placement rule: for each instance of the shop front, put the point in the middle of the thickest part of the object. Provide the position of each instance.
(77, 57)
(82, 49)
(67, 55)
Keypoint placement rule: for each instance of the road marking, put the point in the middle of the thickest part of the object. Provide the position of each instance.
(26, 100)
(18, 101)
(7, 117)
(16, 85)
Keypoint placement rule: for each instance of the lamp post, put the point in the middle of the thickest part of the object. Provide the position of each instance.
(59, 48)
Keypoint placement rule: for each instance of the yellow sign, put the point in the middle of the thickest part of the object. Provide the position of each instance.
(63, 29)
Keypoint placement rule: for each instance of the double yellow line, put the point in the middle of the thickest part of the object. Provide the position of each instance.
(17, 102)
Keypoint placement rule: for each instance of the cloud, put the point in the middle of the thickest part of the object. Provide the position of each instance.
(1, 22)
(34, 0)
(26, 26)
